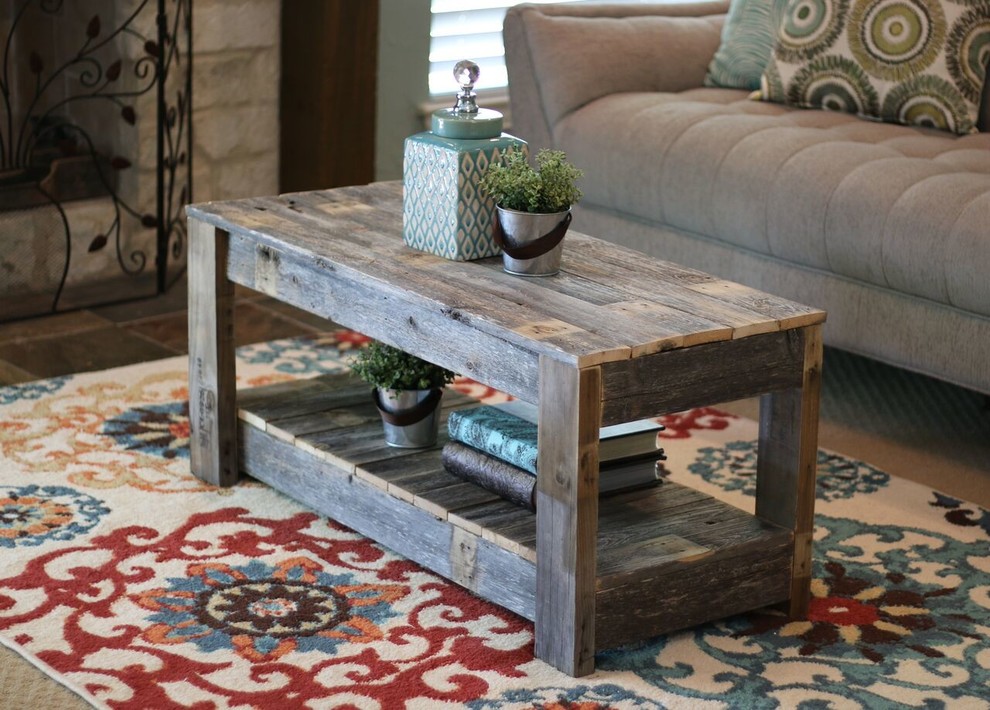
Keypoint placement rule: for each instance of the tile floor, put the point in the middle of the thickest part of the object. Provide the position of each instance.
(121, 334)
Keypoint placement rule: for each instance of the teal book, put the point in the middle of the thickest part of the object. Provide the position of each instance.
(497, 433)
(508, 431)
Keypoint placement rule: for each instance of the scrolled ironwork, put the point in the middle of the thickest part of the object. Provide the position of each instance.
(39, 124)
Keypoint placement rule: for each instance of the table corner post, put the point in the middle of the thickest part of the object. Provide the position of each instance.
(212, 380)
(787, 463)
(567, 515)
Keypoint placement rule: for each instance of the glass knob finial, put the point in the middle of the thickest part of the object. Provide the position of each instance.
(466, 74)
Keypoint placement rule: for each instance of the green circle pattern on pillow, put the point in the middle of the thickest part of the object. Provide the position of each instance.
(916, 62)
(809, 27)
(969, 52)
(896, 39)
(927, 101)
(836, 84)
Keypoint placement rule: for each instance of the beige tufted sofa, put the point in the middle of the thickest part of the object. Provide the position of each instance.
(886, 227)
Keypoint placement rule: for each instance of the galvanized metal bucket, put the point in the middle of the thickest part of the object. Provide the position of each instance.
(531, 243)
(410, 418)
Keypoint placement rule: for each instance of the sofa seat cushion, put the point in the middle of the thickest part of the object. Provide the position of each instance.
(886, 204)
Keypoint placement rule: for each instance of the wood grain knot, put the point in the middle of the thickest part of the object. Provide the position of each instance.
(267, 254)
(454, 314)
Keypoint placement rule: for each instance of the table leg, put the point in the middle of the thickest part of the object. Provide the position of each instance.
(567, 516)
(212, 385)
(787, 460)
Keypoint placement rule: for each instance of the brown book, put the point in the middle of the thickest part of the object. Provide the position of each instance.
(518, 486)
(511, 482)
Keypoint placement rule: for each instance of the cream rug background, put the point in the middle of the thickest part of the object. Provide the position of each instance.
(906, 425)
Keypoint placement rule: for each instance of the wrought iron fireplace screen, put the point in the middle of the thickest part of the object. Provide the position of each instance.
(95, 151)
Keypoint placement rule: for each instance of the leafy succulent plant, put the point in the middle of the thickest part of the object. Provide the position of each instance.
(550, 187)
(388, 367)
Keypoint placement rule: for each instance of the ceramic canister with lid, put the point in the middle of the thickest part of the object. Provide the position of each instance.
(444, 211)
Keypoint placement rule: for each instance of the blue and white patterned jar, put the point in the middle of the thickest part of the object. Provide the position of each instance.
(443, 209)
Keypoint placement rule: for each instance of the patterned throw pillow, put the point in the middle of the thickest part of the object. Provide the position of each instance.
(916, 62)
(747, 42)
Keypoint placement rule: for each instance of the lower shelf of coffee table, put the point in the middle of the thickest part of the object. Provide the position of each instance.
(669, 557)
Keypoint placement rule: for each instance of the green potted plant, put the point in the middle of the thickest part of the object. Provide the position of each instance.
(407, 391)
(533, 209)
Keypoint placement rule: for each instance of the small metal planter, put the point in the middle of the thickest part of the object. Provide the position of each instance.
(531, 243)
(410, 418)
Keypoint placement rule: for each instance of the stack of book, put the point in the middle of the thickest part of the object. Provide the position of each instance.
(495, 446)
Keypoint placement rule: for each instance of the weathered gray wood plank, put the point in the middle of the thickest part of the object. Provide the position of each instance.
(257, 396)
(567, 515)
(460, 494)
(746, 311)
(787, 463)
(692, 590)
(399, 474)
(469, 516)
(512, 527)
(442, 334)
(546, 311)
(360, 255)
(648, 521)
(343, 415)
(702, 375)
(570, 318)
(303, 400)
(407, 530)
(657, 541)
(562, 301)
(212, 393)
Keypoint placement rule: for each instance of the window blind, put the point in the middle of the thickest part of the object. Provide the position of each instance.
(472, 29)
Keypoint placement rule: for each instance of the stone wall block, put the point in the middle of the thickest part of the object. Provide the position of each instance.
(226, 133)
(235, 78)
(23, 255)
(38, 266)
(140, 189)
(235, 24)
(203, 190)
(254, 176)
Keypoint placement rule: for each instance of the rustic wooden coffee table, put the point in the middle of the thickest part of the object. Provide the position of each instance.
(616, 336)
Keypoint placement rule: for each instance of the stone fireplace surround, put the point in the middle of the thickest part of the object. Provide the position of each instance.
(235, 152)
(236, 69)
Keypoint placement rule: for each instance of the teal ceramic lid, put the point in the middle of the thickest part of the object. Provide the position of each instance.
(465, 120)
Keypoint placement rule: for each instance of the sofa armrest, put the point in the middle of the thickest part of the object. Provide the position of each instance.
(561, 57)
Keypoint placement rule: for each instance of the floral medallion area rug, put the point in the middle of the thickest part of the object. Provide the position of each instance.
(131, 582)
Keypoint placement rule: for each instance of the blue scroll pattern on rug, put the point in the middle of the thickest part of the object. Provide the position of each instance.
(581, 697)
(893, 607)
(961, 513)
(155, 429)
(32, 390)
(733, 468)
(305, 356)
(34, 515)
